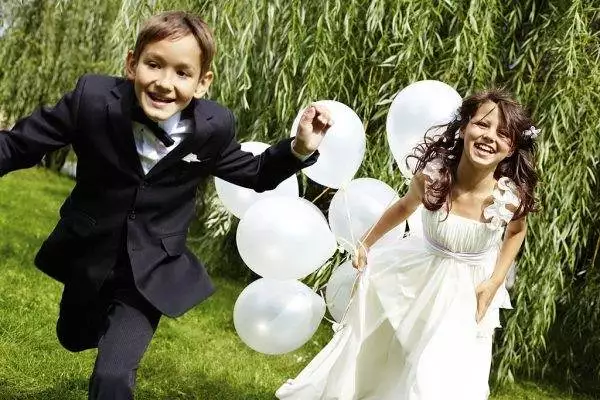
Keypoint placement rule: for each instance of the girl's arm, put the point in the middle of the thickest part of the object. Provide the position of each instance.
(513, 240)
(393, 216)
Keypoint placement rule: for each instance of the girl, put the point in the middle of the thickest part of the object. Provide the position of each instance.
(421, 321)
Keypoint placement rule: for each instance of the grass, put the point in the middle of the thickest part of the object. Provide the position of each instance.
(197, 356)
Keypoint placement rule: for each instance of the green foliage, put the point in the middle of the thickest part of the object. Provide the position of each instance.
(46, 47)
(276, 56)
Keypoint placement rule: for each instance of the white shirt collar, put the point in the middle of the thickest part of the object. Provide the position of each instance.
(170, 124)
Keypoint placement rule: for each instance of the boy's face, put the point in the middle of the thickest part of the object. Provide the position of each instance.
(167, 76)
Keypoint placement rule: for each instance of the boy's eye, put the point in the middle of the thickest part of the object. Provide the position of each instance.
(152, 64)
(183, 74)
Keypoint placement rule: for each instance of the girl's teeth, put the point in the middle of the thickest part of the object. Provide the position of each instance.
(484, 148)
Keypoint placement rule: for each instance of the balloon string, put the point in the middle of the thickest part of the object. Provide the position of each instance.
(349, 219)
(321, 194)
(355, 248)
(359, 242)
(347, 309)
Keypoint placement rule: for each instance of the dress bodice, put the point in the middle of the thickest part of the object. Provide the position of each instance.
(463, 235)
(459, 234)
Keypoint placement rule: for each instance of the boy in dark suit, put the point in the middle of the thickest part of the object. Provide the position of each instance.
(143, 145)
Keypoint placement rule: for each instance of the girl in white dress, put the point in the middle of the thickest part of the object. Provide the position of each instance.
(421, 321)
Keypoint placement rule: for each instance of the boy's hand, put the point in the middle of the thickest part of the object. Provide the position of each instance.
(313, 126)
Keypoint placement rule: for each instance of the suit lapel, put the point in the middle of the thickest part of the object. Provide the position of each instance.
(119, 113)
(200, 133)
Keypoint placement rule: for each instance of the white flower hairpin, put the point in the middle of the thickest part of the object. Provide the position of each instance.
(457, 116)
(532, 132)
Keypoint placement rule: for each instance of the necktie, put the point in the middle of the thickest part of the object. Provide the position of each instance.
(138, 115)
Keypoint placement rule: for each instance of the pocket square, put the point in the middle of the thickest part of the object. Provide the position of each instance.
(193, 158)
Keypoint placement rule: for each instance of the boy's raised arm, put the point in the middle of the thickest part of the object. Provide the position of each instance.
(47, 129)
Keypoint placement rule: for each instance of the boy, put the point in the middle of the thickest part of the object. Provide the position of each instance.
(119, 246)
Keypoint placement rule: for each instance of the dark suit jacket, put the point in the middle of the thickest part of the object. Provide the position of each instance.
(114, 203)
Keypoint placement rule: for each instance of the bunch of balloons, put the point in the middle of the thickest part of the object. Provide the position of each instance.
(284, 238)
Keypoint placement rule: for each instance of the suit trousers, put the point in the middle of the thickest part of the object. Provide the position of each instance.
(119, 321)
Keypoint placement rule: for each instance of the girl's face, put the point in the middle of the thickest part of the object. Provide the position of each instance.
(485, 145)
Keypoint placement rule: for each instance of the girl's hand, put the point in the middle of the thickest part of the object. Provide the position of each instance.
(485, 292)
(359, 261)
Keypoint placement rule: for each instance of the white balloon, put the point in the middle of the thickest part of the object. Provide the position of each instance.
(405, 170)
(276, 317)
(237, 199)
(284, 238)
(415, 223)
(338, 291)
(356, 207)
(415, 109)
(342, 149)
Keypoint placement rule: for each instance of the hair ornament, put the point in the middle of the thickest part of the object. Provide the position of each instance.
(532, 132)
(457, 116)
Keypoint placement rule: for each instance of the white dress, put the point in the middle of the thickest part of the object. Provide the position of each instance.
(410, 331)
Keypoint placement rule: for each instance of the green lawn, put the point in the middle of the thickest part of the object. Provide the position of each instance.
(198, 356)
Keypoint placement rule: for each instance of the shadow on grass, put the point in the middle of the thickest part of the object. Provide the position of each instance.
(201, 388)
(68, 389)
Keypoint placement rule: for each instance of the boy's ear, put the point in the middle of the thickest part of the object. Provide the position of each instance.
(203, 84)
(130, 64)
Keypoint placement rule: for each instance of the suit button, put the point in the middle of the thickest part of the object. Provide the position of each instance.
(143, 186)
(132, 215)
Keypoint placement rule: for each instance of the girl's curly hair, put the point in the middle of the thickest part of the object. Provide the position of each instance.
(448, 147)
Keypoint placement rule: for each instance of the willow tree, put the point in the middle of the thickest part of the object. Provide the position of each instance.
(45, 47)
(275, 56)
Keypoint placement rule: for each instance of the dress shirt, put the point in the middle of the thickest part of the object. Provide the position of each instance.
(151, 150)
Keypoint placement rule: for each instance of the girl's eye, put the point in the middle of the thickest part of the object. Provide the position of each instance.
(152, 64)
(183, 74)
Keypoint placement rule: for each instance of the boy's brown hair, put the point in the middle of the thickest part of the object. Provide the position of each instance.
(174, 25)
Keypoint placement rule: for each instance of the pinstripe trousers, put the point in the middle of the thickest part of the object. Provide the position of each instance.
(119, 321)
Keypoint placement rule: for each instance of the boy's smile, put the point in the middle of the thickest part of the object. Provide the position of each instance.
(167, 76)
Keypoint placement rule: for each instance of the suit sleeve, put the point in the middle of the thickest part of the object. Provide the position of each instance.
(261, 172)
(47, 129)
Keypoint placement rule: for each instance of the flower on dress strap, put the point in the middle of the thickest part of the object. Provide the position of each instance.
(432, 169)
(508, 193)
(505, 183)
(497, 213)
